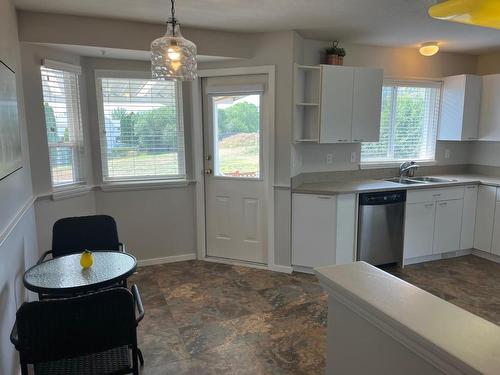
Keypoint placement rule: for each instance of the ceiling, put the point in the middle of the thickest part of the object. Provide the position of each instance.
(393, 23)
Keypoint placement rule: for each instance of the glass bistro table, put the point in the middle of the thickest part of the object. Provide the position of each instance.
(65, 276)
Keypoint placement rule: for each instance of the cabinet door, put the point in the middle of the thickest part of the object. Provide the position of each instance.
(448, 226)
(489, 124)
(495, 246)
(314, 222)
(472, 107)
(366, 104)
(336, 104)
(469, 217)
(485, 215)
(419, 229)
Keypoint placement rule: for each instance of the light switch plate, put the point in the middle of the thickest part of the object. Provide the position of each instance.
(447, 153)
(354, 157)
(329, 158)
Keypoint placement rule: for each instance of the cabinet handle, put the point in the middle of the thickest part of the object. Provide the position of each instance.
(471, 187)
(436, 195)
(324, 197)
(429, 205)
(358, 140)
(443, 204)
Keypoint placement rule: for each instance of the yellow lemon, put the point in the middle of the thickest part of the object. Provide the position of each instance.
(86, 259)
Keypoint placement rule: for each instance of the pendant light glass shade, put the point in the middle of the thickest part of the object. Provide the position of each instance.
(172, 56)
(484, 13)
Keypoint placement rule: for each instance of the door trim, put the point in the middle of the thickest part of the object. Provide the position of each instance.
(197, 131)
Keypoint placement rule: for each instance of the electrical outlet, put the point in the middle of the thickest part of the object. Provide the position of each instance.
(354, 157)
(447, 153)
(329, 158)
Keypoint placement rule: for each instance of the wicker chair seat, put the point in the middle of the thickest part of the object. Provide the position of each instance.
(113, 361)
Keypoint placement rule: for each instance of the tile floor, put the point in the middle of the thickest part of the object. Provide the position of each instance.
(211, 318)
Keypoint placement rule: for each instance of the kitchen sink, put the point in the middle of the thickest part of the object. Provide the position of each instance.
(432, 179)
(404, 181)
(418, 180)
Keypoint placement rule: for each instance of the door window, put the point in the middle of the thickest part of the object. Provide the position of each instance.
(236, 135)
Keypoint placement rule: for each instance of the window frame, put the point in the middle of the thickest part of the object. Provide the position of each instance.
(425, 83)
(141, 181)
(78, 147)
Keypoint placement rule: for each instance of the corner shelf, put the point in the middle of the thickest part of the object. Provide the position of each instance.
(306, 111)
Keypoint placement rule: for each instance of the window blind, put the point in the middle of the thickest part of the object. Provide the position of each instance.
(61, 103)
(408, 125)
(142, 133)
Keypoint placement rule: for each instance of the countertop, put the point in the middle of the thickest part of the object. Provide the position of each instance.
(371, 185)
(456, 335)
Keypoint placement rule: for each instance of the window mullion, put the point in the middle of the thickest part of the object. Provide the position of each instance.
(392, 123)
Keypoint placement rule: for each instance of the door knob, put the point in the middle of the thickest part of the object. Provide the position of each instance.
(207, 171)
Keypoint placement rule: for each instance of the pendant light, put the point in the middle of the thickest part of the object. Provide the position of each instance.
(173, 56)
(484, 13)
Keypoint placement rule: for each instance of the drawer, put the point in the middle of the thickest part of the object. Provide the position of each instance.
(432, 195)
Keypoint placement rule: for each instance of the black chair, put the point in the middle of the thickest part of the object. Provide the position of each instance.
(76, 234)
(85, 335)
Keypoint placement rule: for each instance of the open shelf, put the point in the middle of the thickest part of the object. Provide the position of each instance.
(308, 104)
(306, 111)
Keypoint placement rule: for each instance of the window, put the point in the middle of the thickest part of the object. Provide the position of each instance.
(408, 124)
(142, 134)
(61, 103)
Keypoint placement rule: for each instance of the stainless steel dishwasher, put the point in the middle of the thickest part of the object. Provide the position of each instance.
(381, 227)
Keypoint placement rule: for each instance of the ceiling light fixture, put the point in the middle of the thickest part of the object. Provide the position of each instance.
(173, 56)
(429, 49)
(484, 13)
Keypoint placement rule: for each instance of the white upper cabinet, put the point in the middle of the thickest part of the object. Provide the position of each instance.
(337, 86)
(489, 124)
(461, 103)
(366, 104)
(350, 104)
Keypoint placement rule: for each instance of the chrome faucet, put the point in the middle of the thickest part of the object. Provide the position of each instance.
(407, 169)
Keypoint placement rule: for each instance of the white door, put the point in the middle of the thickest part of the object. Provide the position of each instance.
(419, 229)
(235, 170)
(448, 226)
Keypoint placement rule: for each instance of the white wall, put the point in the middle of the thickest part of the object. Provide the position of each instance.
(397, 63)
(18, 248)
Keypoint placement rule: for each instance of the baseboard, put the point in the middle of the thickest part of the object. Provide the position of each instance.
(236, 262)
(302, 269)
(430, 258)
(282, 269)
(170, 259)
(485, 255)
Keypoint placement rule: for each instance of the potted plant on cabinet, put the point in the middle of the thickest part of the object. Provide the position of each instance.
(335, 54)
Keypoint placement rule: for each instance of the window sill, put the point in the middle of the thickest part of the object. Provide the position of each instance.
(393, 164)
(144, 185)
(71, 192)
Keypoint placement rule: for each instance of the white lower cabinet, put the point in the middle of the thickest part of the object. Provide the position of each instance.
(419, 229)
(434, 221)
(314, 222)
(447, 229)
(469, 217)
(486, 202)
(495, 243)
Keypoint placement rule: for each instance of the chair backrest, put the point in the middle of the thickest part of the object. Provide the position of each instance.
(55, 329)
(75, 234)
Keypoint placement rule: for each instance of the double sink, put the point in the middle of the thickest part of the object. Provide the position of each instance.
(418, 180)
